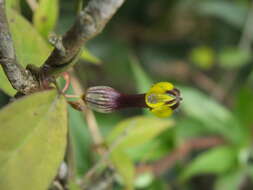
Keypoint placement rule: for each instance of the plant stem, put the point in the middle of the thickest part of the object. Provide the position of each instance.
(20, 79)
(89, 23)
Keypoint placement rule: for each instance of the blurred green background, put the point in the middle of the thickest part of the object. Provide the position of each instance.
(204, 47)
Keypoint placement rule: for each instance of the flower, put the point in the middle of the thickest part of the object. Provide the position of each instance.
(161, 99)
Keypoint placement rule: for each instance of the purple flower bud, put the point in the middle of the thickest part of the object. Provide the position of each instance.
(102, 99)
(105, 99)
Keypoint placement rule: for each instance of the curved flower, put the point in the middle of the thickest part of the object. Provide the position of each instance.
(161, 99)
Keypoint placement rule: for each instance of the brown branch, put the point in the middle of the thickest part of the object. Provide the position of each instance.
(20, 79)
(167, 162)
(88, 24)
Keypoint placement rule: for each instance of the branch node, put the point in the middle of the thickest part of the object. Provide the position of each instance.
(56, 41)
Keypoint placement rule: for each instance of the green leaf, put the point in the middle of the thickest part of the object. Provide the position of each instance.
(137, 131)
(231, 181)
(30, 47)
(131, 133)
(14, 4)
(143, 81)
(34, 50)
(45, 16)
(230, 58)
(150, 151)
(144, 180)
(212, 115)
(244, 107)
(5, 85)
(141, 78)
(86, 55)
(217, 161)
(33, 141)
(230, 12)
(124, 166)
(73, 186)
(80, 140)
(189, 128)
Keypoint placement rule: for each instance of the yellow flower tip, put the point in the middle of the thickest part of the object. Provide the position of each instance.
(162, 99)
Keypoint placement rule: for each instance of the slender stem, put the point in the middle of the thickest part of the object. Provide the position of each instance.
(132, 100)
(246, 37)
(88, 24)
(90, 118)
(32, 4)
(20, 79)
(66, 77)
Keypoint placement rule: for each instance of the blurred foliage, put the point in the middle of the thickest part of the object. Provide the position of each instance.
(199, 45)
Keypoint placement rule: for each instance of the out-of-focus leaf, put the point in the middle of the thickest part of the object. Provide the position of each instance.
(107, 124)
(80, 139)
(231, 181)
(5, 84)
(158, 184)
(230, 12)
(29, 45)
(142, 80)
(131, 133)
(137, 130)
(124, 166)
(144, 180)
(73, 186)
(217, 161)
(189, 128)
(251, 77)
(4, 99)
(250, 171)
(212, 115)
(86, 55)
(202, 57)
(150, 151)
(34, 133)
(14, 4)
(233, 57)
(244, 107)
(45, 16)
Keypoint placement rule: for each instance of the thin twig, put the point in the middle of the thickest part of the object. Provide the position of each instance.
(105, 157)
(32, 4)
(20, 79)
(88, 24)
(246, 37)
(89, 115)
(244, 44)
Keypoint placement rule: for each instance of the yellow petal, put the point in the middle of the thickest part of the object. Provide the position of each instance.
(162, 111)
(157, 96)
(154, 100)
(161, 87)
